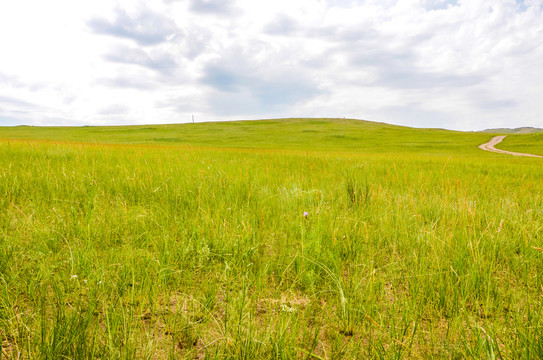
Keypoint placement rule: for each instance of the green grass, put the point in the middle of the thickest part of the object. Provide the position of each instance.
(529, 143)
(294, 134)
(123, 251)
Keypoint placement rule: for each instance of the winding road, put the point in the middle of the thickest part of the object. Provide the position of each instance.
(489, 146)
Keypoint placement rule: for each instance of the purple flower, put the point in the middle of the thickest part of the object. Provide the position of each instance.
(305, 214)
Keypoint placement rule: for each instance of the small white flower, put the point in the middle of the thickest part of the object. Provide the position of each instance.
(286, 308)
(73, 277)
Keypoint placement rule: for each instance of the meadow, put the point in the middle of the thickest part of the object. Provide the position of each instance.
(280, 239)
(528, 143)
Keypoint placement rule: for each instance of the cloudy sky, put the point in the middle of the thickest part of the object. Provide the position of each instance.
(456, 64)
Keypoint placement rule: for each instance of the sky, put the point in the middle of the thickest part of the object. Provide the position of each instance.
(454, 64)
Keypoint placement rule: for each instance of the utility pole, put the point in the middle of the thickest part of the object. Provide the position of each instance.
(193, 118)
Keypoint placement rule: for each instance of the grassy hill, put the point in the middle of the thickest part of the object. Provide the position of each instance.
(520, 130)
(280, 239)
(528, 143)
(299, 134)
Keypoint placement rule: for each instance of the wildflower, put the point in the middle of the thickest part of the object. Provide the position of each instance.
(73, 277)
(306, 214)
(286, 308)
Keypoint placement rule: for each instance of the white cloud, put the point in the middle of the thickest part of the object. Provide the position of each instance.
(440, 63)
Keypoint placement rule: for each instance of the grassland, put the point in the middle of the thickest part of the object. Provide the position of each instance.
(529, 143)
(284, 134)
(310, 239)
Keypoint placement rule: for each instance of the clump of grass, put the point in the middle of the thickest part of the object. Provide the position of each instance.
(358, 193)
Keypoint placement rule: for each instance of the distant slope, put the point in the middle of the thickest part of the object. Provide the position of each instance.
(299, 134)
(490, 146)
(520, 130)
(527, 143)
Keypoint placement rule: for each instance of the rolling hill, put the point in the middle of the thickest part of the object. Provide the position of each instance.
(294, 134)
(520, 130)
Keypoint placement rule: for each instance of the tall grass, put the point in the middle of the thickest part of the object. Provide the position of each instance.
(151, 252)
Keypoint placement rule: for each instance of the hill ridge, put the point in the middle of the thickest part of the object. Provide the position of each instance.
(519, 130)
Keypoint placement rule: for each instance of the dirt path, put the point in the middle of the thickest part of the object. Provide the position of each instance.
(489, 146)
